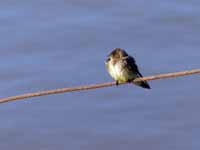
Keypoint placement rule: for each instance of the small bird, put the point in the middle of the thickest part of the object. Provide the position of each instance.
(122, 67)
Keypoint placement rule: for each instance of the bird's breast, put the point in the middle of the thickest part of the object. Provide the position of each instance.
(118, 72)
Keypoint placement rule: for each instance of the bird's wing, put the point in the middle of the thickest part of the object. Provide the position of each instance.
(131, 65)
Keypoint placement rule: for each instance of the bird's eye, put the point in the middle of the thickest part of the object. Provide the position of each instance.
(108, 59)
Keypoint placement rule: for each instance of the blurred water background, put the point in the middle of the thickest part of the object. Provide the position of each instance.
(47, 44)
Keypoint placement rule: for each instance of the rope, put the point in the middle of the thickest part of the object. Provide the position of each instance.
(95, 86)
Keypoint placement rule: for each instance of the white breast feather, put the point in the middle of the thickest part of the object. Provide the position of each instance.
(115, 71)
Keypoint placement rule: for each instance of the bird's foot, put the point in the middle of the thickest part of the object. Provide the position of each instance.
(117, 83)
(130, 81)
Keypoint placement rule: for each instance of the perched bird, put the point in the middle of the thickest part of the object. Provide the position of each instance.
(122, 68)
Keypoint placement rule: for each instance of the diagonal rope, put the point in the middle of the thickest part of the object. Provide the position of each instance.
(95, 86)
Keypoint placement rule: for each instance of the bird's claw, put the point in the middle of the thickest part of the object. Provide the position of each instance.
(117, 83)
(130, 81)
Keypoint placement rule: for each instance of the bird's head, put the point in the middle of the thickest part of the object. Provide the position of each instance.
(116, 54)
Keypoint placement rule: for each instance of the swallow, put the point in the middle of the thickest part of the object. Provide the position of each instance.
(122, 68)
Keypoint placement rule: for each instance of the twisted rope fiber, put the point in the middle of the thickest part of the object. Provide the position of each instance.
(95, 86)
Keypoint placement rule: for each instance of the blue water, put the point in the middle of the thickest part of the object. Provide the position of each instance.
(47, 44)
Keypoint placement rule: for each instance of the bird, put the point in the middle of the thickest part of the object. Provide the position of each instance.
(122, 68)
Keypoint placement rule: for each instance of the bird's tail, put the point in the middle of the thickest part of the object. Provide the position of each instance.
(143, 84)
